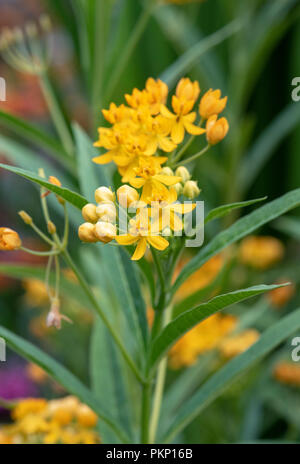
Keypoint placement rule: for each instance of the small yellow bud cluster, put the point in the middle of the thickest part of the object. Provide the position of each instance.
(187, 187)
(100, 219)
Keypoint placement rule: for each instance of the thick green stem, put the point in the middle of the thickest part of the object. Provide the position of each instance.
(146, 411)
(107, 323)
(159, 388)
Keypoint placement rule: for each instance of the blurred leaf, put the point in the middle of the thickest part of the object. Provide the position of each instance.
(226, 209)
(58, 373)
(186, 321)
(289, 226)
(240, 229)
(73, 198)
(107, 380)
(266, 144)
(218, 382)
(36, 135)
(191, 57)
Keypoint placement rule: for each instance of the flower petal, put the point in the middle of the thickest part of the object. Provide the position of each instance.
(103, 159)
(158, 242)
(126, 239)
(140, 250)
(183, 208)
(167, 180)
(177, 133)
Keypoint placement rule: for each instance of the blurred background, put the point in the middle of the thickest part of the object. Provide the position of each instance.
(250, 50)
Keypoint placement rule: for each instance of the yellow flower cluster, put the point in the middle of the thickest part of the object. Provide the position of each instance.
(144, 226)
(204, 337)
(236, 344)
(287, 373)
(261, 252)
(145, 132)
(63, 421)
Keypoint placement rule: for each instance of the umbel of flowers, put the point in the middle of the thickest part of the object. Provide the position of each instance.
(144, 142)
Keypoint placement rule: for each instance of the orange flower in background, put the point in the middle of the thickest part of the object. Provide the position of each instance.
(35, 292)
(281, 296)
(216, 129)
(204, 337)
(236, 344)
(287, 373)
(261, 252)
(9, 239)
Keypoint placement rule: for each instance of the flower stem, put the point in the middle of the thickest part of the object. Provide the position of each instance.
(159, 388)
(194, 157)
(146, 410)
(109, 326)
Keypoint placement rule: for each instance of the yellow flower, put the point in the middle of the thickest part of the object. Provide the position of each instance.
(287, 373)
(86, 416)
(36, 292)
(36, 373)
(28, 406)
(216, 129)
(9, 239)
(261, 252)
(152, 96)
(140, 234)
(212, 103)
(87, 233)
(204, 337)
(182, 103)
(281, 296)
(237, 344)
(127, 196)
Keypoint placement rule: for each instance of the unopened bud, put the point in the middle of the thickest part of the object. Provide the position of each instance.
(104, 194)
(105, 231)
(178, 188)
(86, 233)
(166, 171)
(211, 104)
(51, 228)
(127, 195)
(183, 173)
(191, 189)
(89, 213)
(9, 239)
(167, 232)
(216, 129)
(106, 212)
(26, 218)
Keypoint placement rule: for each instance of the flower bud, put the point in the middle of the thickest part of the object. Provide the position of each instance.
(211, 104)
(26, 218)
(9, 239)
(105, 231)
(86, 417)
(104, 194)
(166, 171)
(127, 195)
(106, 212)
(89, 213)
(191, 189)
(183, 173)
(51, 228)
(178, 188)
(86, 233)
(216, 130)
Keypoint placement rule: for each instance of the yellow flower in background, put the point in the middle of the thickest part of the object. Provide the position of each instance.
(204, 337)
(237, 344)
(261, 252)
(9, 239)
(211, 104)
(281, 296)
(62, 421)
(35, 292)
(287, 373)
(36, 373)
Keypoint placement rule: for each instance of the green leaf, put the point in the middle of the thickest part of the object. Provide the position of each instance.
(191, 57)
(218, 382)
(226, 209)
(71, 197)
(186, 321)
(36, 135)
(266, 144)
(240, 229)
(58, 373)
(289, 226)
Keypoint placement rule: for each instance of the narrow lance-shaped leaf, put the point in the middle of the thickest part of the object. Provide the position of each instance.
(58, 373)
(240, 229)
(218, 382)
(186, 321)
(226, 209)
(71, 197)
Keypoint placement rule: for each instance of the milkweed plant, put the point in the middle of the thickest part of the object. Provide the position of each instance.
(133, 208)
